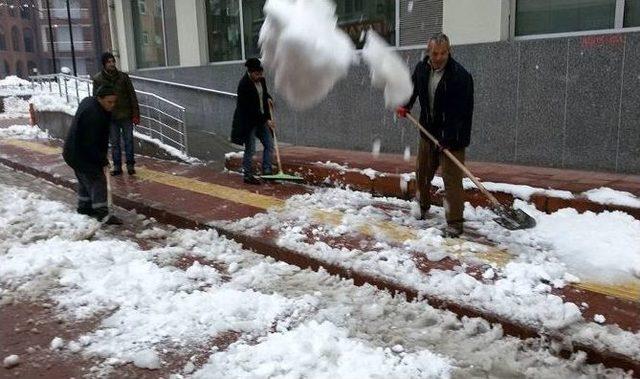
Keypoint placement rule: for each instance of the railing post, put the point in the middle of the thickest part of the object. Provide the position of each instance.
(184, 132)
(59, 85)
(75, 80)
(50, 87)
(66, 89)
(160, 119)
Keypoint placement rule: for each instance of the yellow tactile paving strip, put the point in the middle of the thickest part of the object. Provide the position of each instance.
(390, 231)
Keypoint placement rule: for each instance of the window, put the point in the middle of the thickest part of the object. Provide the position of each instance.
(25, 12)
(354, 17)
(20, 69)
(12, 10)
(357, 16)
(631, 13)
(149, 33)
(3, 39)
(32, 68)
(142, 6)
(223, 30)
(553, 16)
(15, 38)
(253, 17)
(28, 40)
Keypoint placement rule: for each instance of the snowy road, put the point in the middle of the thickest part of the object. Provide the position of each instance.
(152, 296)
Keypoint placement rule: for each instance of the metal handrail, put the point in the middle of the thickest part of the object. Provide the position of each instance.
(148, 101)
(187, 86)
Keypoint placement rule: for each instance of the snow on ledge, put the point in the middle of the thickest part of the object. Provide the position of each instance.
(608, 196)
(169, 149)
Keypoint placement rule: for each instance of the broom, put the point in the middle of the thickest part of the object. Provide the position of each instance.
(280, 175)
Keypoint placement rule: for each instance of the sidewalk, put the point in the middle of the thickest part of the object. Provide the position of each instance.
(196, 196)
(549, 189)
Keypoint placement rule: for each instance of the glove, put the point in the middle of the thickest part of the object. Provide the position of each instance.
(402, 112)
(135, 120)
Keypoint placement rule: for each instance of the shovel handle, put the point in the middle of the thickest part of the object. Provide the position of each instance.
(455, 160)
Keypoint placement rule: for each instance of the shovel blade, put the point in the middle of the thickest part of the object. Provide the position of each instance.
(514, 219)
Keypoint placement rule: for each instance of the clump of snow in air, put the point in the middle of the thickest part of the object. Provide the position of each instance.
(388, 71)
(375, 148)
(11, 361)
(304, 48)
(600, 319)
(329, 352)
(604, 195)
(407, 154)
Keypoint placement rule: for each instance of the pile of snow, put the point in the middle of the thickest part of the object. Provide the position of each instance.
(303, 46)
(16, 106)
(50, 102)
(604, 195)
(558, 246)
(14, 81)
(388, 71)
(316, 350)
(23, 132)
(169, 149)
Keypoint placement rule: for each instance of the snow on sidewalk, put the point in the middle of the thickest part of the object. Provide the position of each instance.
(293, 322)
(603, 247)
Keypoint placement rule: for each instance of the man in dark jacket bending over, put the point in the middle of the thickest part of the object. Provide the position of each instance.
(445, 91)
(85, 150)
(252, 119)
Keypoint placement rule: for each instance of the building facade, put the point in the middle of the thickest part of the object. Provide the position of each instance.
(19, 40)
(89, 22)
(557, 81)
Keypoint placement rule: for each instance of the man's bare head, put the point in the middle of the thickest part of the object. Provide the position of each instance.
(438, 49)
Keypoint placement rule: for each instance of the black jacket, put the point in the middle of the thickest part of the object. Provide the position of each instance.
(85, 148)
(127, 104)
(451, 120)
(247, 115)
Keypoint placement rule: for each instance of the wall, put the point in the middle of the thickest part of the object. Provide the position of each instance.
(563, 102)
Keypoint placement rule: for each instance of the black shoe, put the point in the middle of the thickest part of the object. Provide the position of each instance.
(131, 170)
(116, 172)
(113, 220)
(85, 211)
(252, 180)
(452, 231)
(424, 213)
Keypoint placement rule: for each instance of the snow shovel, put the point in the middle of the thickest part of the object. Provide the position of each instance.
(280, 175)
(509, 218)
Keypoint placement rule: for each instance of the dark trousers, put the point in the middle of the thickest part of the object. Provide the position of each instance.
(428, 160)
(92, 193)
(121, 130)
(264, 135)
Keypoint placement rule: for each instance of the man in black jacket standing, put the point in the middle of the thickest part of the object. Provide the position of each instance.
(85, 150)
(252, 118)
(445, 91)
